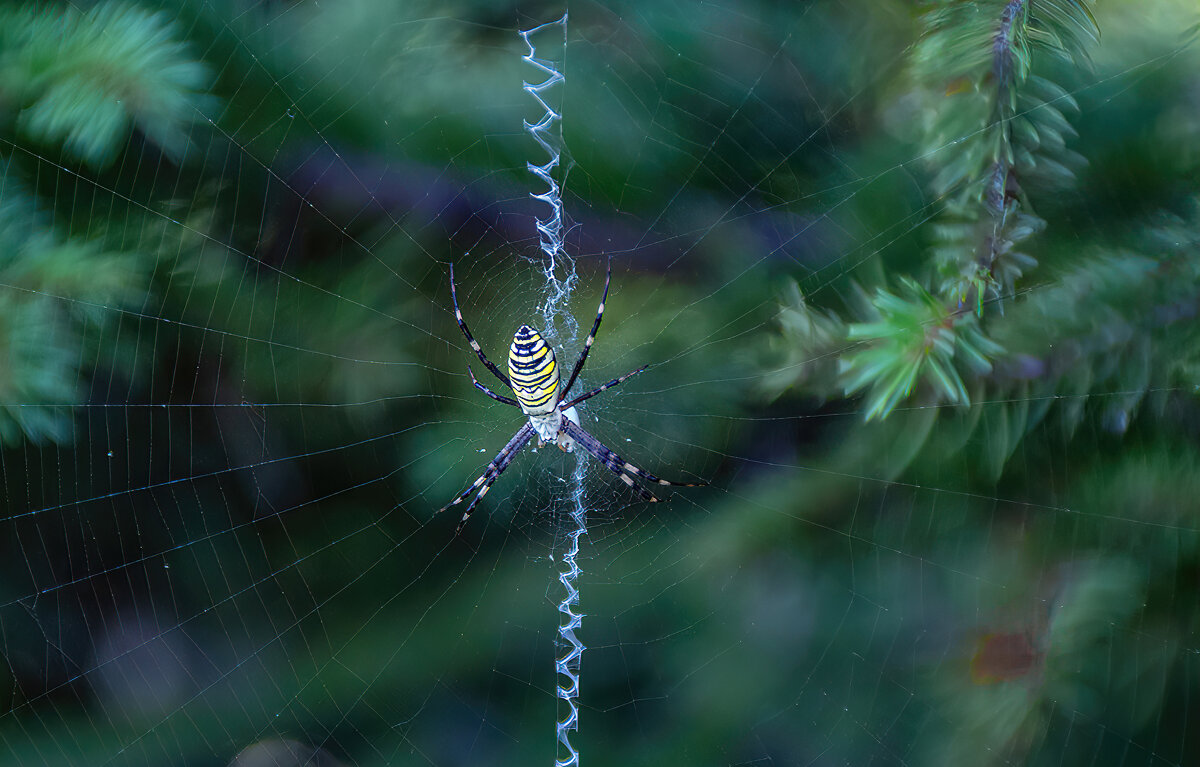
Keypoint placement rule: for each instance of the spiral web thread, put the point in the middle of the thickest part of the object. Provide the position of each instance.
(547, 132)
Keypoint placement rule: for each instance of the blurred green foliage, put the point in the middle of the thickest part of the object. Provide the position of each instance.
(77, 80)
(917, 281)
(82, 78)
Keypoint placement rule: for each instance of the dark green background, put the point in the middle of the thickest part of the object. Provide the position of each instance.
(233, 396)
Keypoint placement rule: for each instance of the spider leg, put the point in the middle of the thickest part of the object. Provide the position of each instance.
(462, 325)
(615, 463)
(579, 434)
(605, 387)
(491, 474)
(489, 392)
(587, 345)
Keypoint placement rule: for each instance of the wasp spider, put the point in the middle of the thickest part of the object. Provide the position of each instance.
(533, 376)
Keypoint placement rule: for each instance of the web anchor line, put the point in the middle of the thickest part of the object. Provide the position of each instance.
(547, 132)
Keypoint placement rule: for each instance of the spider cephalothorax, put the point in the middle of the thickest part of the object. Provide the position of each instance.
(534, 377)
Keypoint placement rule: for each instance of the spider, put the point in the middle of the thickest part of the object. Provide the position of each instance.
(534, 377)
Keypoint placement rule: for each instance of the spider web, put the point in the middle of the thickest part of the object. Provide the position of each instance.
(231, 556)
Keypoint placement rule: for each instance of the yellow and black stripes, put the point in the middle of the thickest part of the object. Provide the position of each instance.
(534, 378)
(533, 371)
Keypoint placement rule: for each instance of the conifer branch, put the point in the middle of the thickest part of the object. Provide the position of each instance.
(993, 132)
(83, 79)
(54, 289)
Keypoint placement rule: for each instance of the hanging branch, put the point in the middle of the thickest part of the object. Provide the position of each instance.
(992, 132)
(84, 78)
(75, 84)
